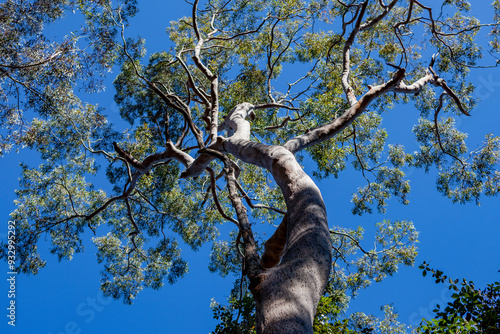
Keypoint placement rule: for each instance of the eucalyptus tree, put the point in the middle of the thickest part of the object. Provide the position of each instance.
(220, 123)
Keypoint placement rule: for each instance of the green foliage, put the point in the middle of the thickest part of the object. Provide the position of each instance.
(361, 323)
(462, 178)
(38, 73)
(237, 317)
(397, 243)
(495, 32)
(128, 269)
(48, 196)
(472, 310)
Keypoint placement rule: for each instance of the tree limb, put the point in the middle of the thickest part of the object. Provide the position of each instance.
(328, 130)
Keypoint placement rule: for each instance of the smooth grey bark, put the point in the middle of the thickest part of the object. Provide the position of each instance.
(286, 295)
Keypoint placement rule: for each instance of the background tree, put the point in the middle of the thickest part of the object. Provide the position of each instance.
(472, 310)
(227, 60)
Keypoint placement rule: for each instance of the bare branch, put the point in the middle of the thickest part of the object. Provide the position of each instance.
(438, 35)
(376, 20)
(438, 136)
(192, 84)
(274, 105)
(475, 27)
(346, 64)
(441, 83)
(170, 99)
(195, 23)
(253, 267)
(328, 130)
(252, 263)
(356, 153)
(353, 240)
(415, 87)
(129, 158)
(216, 199)
(241, 33)
(34, 64)
(397, 31)
(213, 108)
(433, 78)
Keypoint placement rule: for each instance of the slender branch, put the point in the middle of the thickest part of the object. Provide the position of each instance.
(269, 63)
(213, 108)
(136, 230)
(438, 136)
(475, 27)
(397, 32)
(253, 267)
(277, 59)
(252, 262)
(170, 100)
(438, 36)
(441, 83)
(195, 23)
(353, 240)
(281, 125)
(256, 206)
(339, 37)
(356, 153)
(274, 105)
(192, 84)
(349, 93)
(213, 189)
(241, 33)
(35, 64)
(128, 157)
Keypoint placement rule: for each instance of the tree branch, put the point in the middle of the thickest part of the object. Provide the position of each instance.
(329, 130)
(438, 136)
(253, 267)
(349, 93)
(236, 127)
(376, 20)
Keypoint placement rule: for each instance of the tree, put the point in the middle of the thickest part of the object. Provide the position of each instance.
(176, 175)
(472, 310)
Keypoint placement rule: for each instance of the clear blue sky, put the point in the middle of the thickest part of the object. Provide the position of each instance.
(461, 240)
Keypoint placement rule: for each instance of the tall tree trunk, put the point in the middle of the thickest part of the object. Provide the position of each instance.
(287, 295)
